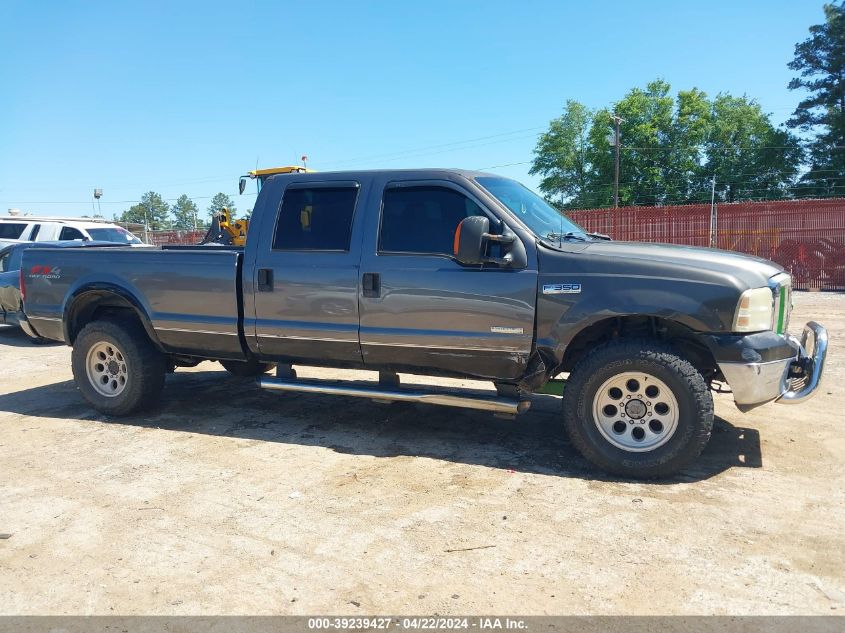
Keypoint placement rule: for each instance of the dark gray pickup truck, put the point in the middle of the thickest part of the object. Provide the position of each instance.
(442, 273)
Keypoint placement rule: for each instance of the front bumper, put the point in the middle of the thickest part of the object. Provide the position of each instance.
(792, 377)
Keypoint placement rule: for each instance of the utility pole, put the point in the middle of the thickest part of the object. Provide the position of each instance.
(617, 144)
(147, 221)
(713, 229)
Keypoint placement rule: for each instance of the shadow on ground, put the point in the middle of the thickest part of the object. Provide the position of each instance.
(214, 403)
(13, 336)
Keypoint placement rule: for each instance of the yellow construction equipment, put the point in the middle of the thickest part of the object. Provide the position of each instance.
(225, 230)
(260, 175)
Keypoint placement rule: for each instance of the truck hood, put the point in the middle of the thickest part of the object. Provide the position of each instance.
(748, 270)
(696, 287)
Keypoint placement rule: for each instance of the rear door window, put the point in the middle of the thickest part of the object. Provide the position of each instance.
(34, 234)
(11, 230)
(315, 219)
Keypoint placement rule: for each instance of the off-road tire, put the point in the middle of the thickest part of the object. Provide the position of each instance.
(695, 408)
(144, 363)
(248, 368)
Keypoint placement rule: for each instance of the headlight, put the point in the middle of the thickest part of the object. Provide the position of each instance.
(755, 311)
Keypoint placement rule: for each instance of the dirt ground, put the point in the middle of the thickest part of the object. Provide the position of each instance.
(228, 500)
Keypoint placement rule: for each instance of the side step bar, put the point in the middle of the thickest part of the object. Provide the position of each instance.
(507, 406)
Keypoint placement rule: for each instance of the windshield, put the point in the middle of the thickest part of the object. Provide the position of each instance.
(115, 234)
(542, 218)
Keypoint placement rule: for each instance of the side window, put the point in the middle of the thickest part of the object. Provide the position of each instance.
(4, 262)
(315, 218)
(11, 230)
(423, 219)
(34, 235)
(70, 233)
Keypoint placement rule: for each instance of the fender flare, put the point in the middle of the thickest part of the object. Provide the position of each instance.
(101, 290)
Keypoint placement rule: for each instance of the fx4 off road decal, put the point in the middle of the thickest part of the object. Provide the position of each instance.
(45, 272)
(561, 289)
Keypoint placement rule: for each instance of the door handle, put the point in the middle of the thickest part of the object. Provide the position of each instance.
(372, 284)
(265, 280)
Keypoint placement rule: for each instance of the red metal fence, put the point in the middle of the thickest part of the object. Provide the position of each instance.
(806, 237)
(160, 238)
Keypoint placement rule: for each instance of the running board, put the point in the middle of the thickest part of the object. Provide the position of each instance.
(507, 406)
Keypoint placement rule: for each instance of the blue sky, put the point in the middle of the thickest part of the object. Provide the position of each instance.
(183, 97)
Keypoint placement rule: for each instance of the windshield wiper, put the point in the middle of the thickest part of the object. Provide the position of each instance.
(567, 236)
(600, 236)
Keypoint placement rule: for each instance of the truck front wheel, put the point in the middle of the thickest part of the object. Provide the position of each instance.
(637, 408)
(117, 368)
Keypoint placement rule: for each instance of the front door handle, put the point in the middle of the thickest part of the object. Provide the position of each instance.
(372, 284)
(265, 280)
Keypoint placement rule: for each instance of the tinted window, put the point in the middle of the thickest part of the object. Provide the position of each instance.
(70, 233)
(318, 218)
(113, 234)
(34, 234)
(423, 219)
(11, 230)
(4, 262)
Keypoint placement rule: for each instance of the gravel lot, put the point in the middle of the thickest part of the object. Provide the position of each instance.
(227, 500)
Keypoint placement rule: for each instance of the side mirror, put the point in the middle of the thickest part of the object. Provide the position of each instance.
(242, 185)
(470, 238)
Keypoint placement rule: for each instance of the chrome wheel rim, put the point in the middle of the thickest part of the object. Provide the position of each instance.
(635, 411)
(107, 369)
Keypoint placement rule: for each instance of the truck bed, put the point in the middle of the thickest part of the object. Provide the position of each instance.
(190, 298)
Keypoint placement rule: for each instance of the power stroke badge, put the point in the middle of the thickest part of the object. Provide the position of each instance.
(561, 289)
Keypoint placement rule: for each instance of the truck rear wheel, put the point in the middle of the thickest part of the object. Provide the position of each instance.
(637, 408)
(248, 368)
(117, 368)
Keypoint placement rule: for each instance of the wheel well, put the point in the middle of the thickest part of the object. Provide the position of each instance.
(679, 336)
(96, 305)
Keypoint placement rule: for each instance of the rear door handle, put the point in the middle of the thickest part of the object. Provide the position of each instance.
(265, 280)
(372, 284)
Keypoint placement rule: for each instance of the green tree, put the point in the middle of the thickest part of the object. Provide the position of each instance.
(152, 210)
(646, 133)
(219, 201)
(561, 156)
(670, 148)
(185, 214)
(749, 157)
(820, 61)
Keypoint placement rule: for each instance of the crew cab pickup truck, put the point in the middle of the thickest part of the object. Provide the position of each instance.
(441, 273)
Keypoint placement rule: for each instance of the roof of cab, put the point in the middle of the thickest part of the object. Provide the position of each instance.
(419, 173)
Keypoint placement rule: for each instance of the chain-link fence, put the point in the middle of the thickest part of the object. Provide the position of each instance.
(806, 237)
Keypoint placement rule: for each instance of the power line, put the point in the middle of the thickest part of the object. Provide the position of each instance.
(402, 153)
(247, 193)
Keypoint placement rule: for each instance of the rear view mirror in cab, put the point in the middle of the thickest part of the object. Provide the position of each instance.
(472, 237)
